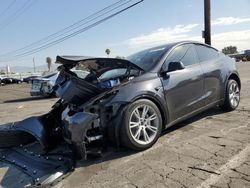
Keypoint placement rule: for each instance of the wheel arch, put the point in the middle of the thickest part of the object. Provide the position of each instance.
(158, 103)
(235, 77)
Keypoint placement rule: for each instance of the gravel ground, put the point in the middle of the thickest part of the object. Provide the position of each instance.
(209, 150)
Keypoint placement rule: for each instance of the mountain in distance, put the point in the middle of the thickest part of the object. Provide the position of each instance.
(26, 69)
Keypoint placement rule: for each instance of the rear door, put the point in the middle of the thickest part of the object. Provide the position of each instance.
(183, 89)
(211, 66)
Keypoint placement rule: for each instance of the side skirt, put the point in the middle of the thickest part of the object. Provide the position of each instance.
(193, 113)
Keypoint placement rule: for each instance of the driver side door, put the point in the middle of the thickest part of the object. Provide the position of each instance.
(183, 89)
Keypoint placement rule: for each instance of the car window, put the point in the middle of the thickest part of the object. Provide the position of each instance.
(80, 74)
(206, 53)
(147, 59)
(190, 57)
(49, 75)
(184, 53)
(113, 73)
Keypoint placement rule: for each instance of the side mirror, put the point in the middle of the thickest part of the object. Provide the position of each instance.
(173, 66)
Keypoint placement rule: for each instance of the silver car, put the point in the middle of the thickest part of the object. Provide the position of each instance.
(43, 86)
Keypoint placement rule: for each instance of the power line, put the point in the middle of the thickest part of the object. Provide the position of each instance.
(17, 14)
(69, 28)
(7, 8)
(74, 33)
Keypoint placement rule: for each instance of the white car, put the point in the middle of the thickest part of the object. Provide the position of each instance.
(43, 86)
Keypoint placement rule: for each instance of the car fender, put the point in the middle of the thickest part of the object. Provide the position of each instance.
(154, 93)
(229, 75)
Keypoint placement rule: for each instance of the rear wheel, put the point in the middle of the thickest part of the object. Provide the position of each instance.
(142, 125)
(232, 96)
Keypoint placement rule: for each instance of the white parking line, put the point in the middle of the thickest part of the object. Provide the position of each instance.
(234, 162)
(224, 131)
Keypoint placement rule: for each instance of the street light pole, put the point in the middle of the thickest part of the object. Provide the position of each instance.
(34, 64)
(207, 22)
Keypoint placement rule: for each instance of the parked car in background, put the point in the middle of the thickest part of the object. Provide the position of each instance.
(29, 79)
(16, 81)
(1, 80)
(43, 86)
(8, 80)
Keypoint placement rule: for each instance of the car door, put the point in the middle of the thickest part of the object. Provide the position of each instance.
(183, 89)
(211, 66)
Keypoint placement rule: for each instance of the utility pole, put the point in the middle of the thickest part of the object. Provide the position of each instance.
(207, 22)
(34, 64)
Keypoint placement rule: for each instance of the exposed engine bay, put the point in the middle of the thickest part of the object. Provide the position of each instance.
(87, 113)
(84, 120)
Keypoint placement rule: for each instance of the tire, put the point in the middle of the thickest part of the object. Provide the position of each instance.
(232, 96)
(134, 126)
(13, 138)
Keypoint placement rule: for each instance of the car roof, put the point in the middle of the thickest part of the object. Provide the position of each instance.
(172, 44)
(168, 47)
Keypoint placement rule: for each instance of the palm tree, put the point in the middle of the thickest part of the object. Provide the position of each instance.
(49, 63)
(107, 51)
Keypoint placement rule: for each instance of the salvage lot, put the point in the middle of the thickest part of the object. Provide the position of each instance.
(209, 150)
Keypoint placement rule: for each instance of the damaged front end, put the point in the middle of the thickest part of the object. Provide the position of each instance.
(81, 122)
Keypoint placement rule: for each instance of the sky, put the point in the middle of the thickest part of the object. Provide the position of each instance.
(150, 23)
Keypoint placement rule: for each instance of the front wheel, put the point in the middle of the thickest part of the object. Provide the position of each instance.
(232, 96)
(142, 125)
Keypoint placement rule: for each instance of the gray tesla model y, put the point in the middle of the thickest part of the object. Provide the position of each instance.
(130, 101)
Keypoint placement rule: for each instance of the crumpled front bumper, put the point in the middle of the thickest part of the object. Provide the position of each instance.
(41, 161)
(75, 128)
(29, 166)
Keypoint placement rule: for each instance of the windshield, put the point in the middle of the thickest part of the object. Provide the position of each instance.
(147, 59)
(112, 74)
(80, 73)
(49, 75)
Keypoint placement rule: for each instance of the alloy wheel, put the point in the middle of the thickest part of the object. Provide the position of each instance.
(143, 124)
(234, 94)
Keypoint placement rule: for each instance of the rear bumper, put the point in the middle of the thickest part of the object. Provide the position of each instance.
(36, 93)
(39, 93)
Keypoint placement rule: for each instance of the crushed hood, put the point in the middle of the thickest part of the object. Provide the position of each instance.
(96, 63)
(77, 90)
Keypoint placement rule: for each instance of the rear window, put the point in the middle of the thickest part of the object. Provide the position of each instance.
(206, 53)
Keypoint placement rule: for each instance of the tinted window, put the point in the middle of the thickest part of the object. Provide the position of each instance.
(206, 53)
(190, 57)
(184, 53)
